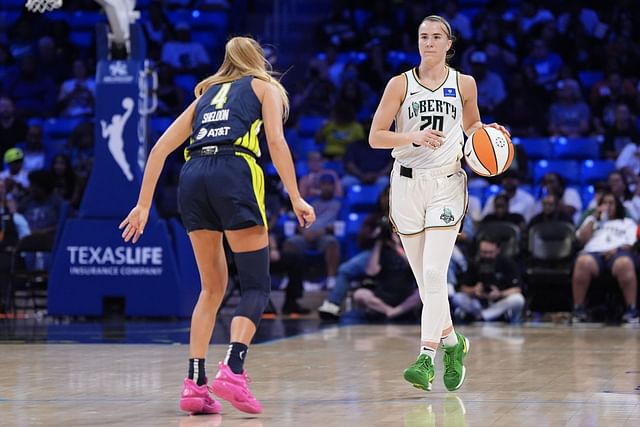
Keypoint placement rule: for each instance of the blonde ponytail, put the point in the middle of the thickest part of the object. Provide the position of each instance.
(244, 56)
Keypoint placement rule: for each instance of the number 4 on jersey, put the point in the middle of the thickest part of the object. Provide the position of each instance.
(221, 97)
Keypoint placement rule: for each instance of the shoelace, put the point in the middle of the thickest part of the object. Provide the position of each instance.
(449, 361)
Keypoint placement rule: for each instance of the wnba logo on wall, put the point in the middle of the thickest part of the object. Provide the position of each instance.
(118, 73)
(115, 261)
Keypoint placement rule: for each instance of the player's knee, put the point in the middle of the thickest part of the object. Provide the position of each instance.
(435, 280)
(516, 300)
(255, 283)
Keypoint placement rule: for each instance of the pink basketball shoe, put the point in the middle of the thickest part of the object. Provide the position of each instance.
(196, 399)
(234, 388)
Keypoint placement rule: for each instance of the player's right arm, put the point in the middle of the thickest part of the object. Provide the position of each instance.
(381, 137)
(272, 113)
(171, 139)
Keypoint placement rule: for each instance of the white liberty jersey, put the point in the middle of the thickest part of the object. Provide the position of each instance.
(439, 109)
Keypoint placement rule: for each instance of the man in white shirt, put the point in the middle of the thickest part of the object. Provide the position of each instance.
(608, 237)
(520, 201)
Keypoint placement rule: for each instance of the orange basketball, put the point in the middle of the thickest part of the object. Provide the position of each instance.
(488, 151)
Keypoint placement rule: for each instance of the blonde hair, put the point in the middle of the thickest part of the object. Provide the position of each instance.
(243, 56)
(439, 19)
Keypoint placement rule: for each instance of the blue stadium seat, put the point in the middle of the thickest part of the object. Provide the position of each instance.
(59, 128)
(309, 125)
(576, 148)
(160, 124)
(82, 39)
(209, 21)
(592, 171)
(589, 78)
(586, 194)
(16, 5)
(352, 224)
(536, 148)
(86, 21)
(335, 165)
(302, 168)
(567, 169)
(362, 198)
(186, 82)
(304, 146)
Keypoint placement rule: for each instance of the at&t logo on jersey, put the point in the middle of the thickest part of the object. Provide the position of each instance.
(449, 92)
(201, 134)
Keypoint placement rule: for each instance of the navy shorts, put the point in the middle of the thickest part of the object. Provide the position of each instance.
(607, 265)
(221, 192)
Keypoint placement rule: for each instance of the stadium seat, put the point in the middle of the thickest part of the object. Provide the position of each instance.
(303, 146)
(586, 194)
(160, 124)
(362, 198)
(536, 148)
(589, 78)
(567, 169)
(309, 125)
(576, 148)
(335, 165)
(353, 223)
(507, 234)
(59, 128)
(592, 171)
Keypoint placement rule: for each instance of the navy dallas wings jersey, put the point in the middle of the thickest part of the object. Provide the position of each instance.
(224, 189)
(227, 114)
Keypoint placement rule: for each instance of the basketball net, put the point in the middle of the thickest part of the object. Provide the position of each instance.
(42, 5)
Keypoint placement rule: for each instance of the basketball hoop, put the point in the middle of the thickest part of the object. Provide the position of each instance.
(42, 5)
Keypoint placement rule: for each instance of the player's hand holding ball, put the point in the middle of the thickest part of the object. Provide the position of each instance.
(489, 150)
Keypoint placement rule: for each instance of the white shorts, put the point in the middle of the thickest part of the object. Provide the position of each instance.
(430, 198)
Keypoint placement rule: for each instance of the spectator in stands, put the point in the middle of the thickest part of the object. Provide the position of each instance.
(341, 130)
(42, 206)
(316, 94)
(170, 96)
(532, 14)
(157, 27)
(183, 54)
(501, 212)
(34, 156)
(569, 199)
(310, 183)
(354, 268)
(491, 288)
(7, 63)
(64, 178)
(394, 292)
(51, 59)
(80, 149)
(290, 263)
(520, 201)
(542, 66)
(14, 227)
(491, 91)
(320, 234)
(32, 90)
(12, 128)
(459, 22)
(608, 238)
(621, 132)
(552, 210)
(569, 115)
(618, 186)
(628, 162)
(606, 95)
(77, 95)
(517, 108)
(364, 165)
(14, 175)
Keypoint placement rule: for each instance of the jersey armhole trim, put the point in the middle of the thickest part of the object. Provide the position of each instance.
(458, 85)
(406, 88)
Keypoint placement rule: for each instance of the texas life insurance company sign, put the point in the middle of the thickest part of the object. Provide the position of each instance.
(115, 261)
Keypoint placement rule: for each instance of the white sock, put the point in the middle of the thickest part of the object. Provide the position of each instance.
(450, 340)
(431, 352)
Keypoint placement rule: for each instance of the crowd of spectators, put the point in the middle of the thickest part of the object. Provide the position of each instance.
(543, 69)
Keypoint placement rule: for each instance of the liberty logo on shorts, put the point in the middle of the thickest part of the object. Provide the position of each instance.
(447, 216)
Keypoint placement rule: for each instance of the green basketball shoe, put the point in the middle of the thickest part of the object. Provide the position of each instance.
(421, 373)
(454, 370)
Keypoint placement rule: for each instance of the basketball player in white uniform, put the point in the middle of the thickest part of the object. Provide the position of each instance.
(432, 105)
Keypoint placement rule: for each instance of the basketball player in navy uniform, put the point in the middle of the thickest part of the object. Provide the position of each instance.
(222, 191)
(432, 105)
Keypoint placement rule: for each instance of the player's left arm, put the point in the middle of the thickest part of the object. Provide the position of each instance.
(171, 139)
(470, 112)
